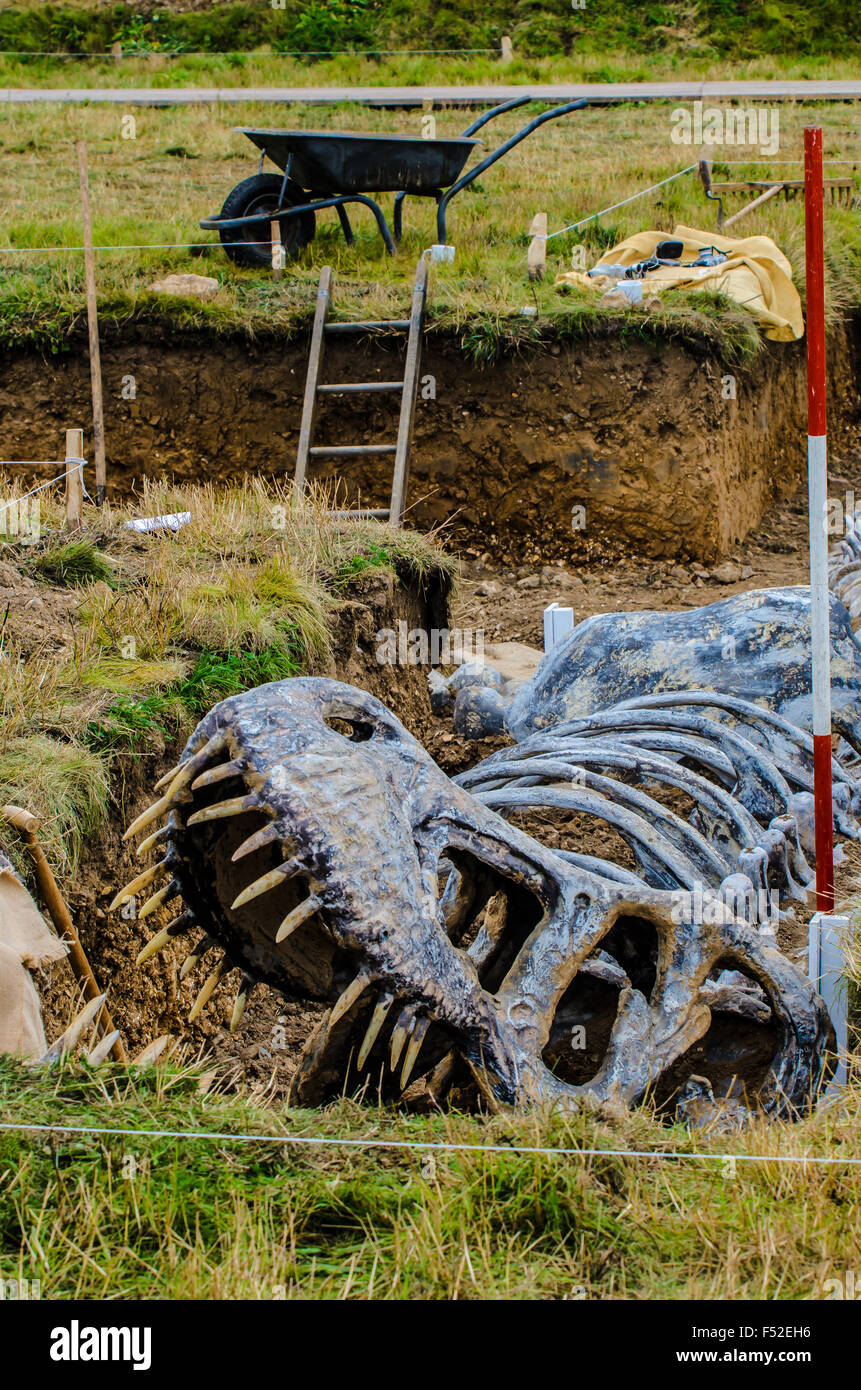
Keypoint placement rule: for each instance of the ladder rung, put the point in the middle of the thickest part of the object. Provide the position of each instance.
(351, 450)
(353, 388)
(367, 323)
(378, 514)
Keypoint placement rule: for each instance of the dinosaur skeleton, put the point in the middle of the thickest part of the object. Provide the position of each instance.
(844, 567)
(317, 847)
(752, 802)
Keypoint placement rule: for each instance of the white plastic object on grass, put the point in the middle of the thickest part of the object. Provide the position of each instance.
(439, 254)
(173, 521)
(558, 622)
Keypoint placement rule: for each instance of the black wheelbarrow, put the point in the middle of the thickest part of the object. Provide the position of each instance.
(328, 169)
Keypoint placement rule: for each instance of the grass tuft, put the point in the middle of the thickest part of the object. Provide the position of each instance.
(64, 784)
(77, 562)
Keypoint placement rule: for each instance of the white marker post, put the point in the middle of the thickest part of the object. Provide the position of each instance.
(817, 474)
(558, 622)
(827, 971)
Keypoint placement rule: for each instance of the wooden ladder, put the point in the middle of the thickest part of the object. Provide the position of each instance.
(408, 388)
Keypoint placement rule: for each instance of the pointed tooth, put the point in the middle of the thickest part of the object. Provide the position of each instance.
(219, 774)
(212, 980)
(400, 1033)
(100, 1052)
(137, 884)
(73, 1034)
(257, 841)
(153, 946)
(242, 996)
(348, 998)
(181, 924)
(295, 918)
(413, 1049)
(152, 1051)
(168, 777)
(273, 879)
(234, 807)
(205, 944)
(151, 840)
(439, 1081)
(378, 1018)
(163, 895)
(195, 763)
(146, 818)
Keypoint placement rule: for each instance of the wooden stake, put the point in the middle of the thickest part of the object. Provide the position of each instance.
(28, 824)
(507, 49)
(536, 256)
(93, 325)
(757, 202)
(277, 249)
(74, 479)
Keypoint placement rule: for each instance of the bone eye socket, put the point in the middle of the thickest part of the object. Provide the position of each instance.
(356, 730)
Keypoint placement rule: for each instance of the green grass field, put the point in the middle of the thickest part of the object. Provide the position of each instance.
(615, 37)
(119, 1217)
(181, 163)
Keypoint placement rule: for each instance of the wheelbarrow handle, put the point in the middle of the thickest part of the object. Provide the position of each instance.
(498, 153)
(496, 111)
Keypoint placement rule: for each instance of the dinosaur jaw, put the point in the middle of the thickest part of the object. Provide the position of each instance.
(345, 869)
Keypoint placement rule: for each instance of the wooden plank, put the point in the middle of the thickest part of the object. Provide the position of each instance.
(74, 479)
(536, 256)
(277, 249)
(349, 451)
(757, 202)
(315, 362)
(748, 185)
(367, 325)
(93, 327)
(357, 388)
(401, 478)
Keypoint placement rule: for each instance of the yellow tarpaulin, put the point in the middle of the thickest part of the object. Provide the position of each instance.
(757, 275)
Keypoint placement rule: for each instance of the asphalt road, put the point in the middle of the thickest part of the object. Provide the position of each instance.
(599, 92)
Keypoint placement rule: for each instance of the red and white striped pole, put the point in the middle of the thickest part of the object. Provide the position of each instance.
(817, 477)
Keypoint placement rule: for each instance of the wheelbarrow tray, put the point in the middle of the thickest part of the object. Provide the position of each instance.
(338, 162)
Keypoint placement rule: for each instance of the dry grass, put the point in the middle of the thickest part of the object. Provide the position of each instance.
(248, 591)
(211, 1218)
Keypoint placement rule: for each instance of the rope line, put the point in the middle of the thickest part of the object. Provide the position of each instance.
(424, 1144)
(79, 465)
(574, 225)
(144, 246)
(249, 53)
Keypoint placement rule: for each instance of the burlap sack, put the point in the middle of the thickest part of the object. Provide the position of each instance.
(26, 941)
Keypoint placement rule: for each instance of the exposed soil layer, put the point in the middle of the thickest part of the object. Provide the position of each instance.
(606, 447)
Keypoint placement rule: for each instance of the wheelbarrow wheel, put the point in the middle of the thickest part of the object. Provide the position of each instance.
(261, 193)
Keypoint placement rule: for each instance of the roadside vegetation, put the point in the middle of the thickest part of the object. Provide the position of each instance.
(143, 633)
(553, 39)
